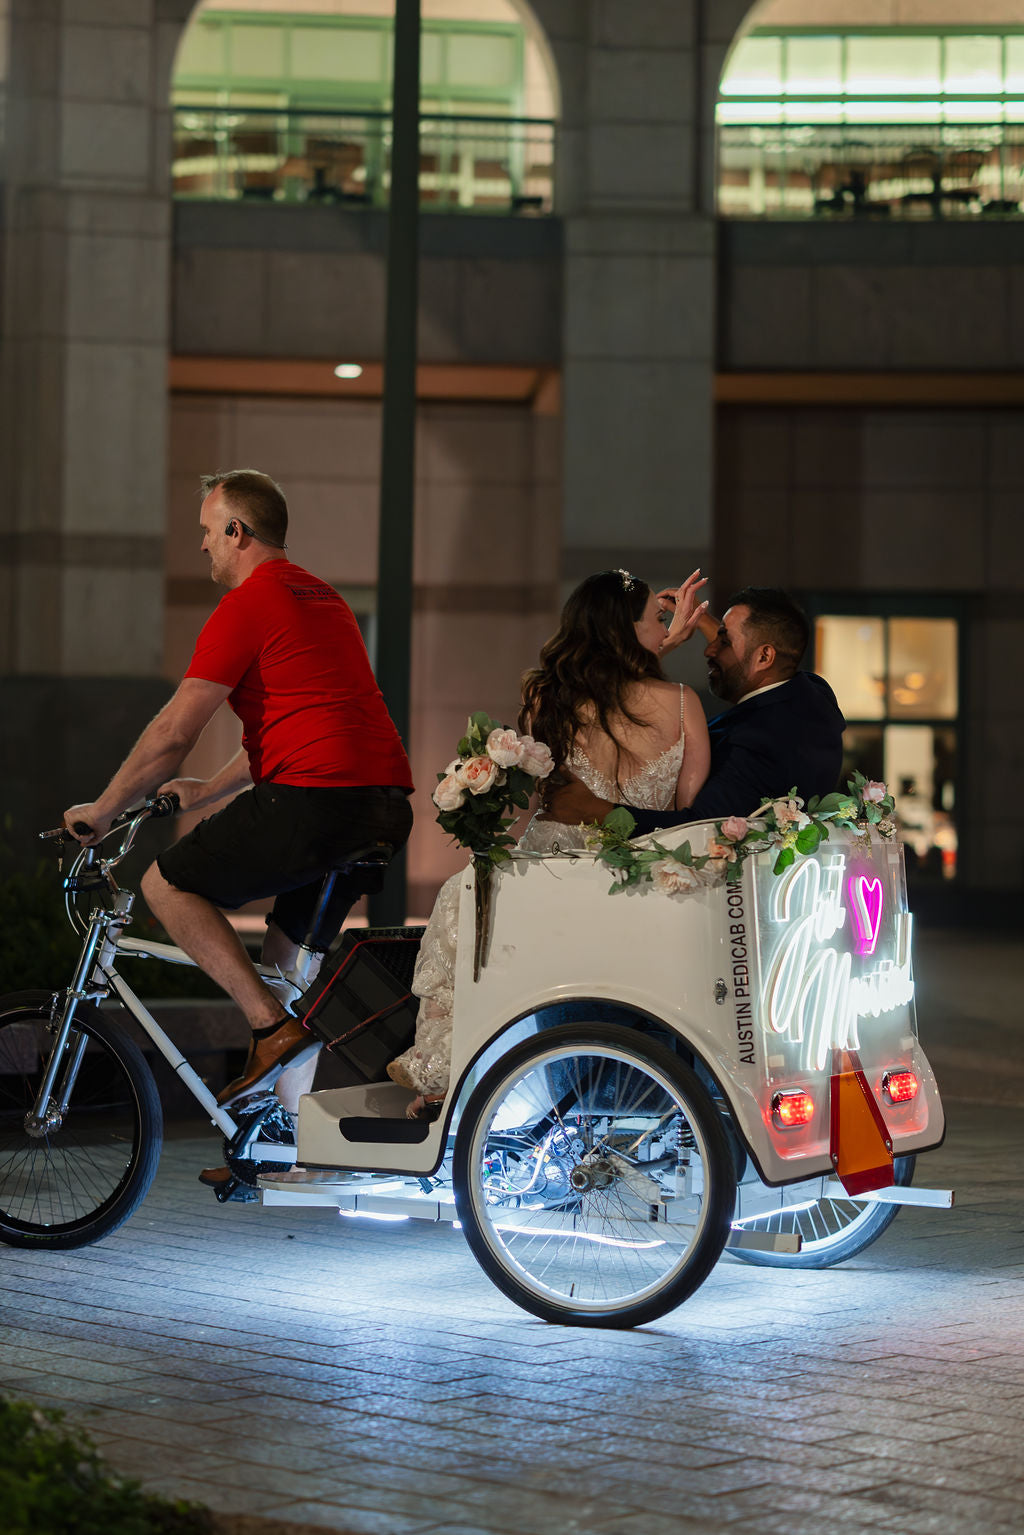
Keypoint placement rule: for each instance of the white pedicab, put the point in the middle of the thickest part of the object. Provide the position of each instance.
(641, 1081)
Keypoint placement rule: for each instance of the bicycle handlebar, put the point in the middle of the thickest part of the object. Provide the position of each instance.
(152, 809)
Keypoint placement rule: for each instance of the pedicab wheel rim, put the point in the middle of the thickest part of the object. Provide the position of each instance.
(81, 1180)
(585, 1248)
(831, 1230)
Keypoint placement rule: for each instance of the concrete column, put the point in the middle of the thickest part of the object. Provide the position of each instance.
(84, 384)
(639, 287)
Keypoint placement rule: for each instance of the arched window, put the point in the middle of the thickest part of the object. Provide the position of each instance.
(848, 120)
(291, 103)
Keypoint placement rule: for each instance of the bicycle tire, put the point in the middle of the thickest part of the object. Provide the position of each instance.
(76, 1182)
(831, 1230)
(556, 1116)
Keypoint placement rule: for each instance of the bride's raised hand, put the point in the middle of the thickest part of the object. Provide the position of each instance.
(687, 612)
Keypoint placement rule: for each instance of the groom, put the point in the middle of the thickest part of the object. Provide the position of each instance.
(784, 729)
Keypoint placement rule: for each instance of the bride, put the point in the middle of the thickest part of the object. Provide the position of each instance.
(600, 702)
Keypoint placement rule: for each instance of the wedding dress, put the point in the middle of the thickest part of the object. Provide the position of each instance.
(425, 1066)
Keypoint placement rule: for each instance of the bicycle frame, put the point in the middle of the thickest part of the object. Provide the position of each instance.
(96, 977)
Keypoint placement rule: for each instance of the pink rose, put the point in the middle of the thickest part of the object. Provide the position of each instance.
(505, 748)
(735, 828)
(672, 877)
(478, 774)
(536, 759)
(721, 851)
(787, 811)
(874, 792)
(449, 793)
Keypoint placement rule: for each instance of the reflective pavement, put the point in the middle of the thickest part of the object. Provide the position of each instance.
(297, 1366)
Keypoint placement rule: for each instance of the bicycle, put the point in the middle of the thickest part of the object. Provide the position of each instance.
(81, 1123)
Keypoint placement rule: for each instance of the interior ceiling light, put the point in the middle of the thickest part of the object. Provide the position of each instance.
(348, 370)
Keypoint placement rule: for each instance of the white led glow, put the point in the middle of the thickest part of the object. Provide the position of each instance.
(577, 1236)
(348, 370)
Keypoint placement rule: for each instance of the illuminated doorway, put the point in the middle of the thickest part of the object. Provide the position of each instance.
(896, 667)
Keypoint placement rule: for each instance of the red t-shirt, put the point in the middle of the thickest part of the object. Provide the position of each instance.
(312, 714)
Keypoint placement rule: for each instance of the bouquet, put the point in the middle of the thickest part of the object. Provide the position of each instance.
(477, 795)
(783, 825)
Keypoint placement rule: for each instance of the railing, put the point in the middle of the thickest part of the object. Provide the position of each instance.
(483, 164)
(865, 171)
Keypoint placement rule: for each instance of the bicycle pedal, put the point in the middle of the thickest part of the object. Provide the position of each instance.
(235, 1192)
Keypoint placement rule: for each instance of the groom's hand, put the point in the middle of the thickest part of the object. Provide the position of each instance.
(571, 802)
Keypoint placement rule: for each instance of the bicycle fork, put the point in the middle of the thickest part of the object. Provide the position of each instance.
(67, 1053)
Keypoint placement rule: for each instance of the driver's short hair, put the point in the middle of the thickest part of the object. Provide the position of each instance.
(775, 619)
(258, 500)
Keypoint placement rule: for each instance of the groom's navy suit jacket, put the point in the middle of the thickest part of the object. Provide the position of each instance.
(792, 735)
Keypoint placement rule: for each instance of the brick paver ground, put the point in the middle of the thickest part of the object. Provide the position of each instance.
(352, 1376)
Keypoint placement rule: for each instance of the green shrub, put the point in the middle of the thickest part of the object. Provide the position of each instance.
(38, 947)
(52, 1482)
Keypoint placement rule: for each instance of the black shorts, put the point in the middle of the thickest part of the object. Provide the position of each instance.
(280, 840)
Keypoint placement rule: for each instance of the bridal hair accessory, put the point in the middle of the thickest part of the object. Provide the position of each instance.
(628, 580)
(781, 825)
(477, 795)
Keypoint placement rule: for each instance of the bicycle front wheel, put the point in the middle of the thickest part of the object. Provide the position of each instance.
(593, 1177)
(79, 1175)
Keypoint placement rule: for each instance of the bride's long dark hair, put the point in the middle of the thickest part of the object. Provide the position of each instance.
(587, 667)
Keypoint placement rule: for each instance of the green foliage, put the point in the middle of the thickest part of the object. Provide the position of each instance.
(38, 947)
(52, 1482)
(781, 824)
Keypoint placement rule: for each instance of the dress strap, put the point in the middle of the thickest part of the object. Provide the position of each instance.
(682, 708)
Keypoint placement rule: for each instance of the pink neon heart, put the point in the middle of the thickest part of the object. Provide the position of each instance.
(866, 910)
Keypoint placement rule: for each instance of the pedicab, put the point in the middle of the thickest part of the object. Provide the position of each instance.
(662, 1049)
(719, 1051)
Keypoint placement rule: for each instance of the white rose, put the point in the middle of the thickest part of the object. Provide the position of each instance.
(505, 748)
(449, 793)
(672, 877)
(536, 759)
(478, 774)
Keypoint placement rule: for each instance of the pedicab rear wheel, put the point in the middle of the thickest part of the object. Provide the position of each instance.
(593, 1177)
(831, 1231)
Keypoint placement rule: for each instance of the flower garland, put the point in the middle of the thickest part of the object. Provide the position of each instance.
(784, 824)
(495, 773)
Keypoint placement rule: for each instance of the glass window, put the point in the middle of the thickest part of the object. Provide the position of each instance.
(338, 53)
(814, 64)
(755, 68)
(257, 50)
(922, 680)
(202, 49)
(973, 64)
(878, 65)
(850, 652)
(888, 673)
(481, 61)
(1014, 65)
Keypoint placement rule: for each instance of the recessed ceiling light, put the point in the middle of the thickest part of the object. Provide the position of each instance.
(348, 370)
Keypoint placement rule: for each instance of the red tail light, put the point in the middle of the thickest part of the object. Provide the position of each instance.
(792, 1109)
(899, 1086)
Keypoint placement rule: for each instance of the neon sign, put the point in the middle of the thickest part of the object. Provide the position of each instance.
(811, 996)
(866, 911)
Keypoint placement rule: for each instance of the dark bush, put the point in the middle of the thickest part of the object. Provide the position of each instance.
(38, 947)
(52, 1482)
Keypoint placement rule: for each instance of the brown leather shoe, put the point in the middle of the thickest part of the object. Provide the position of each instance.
(215, 1177)
(289, 1044)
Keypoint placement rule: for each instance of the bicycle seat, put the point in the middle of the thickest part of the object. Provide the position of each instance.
(375, 855)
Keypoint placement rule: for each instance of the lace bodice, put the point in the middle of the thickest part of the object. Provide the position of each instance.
(652, 788)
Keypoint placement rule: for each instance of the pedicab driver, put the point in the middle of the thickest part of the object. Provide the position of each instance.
(321, 764)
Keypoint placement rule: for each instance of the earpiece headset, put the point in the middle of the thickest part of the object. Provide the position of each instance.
(236, 527)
